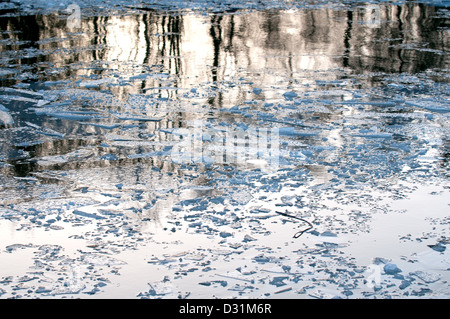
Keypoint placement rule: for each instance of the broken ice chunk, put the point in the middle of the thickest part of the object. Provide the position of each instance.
(290, 131)
(42, 103)
(42, 290)
(159, 289)
(289, 96)
(278, 281)
(427, 277)
(109, 157)
(391, 269)
(319, 294)
(257, 91)
(69, 288)
(223, 283)
(138, 118)
(66, 115)
(262, 259)
(248, 238)
(439, 247)
(379, 261)
(225, 234)
(21, 91)
(103, 126)
(95, 83)
(77, 155)
(89, 215)
(102, 260)
(435, 106)
(5, 117)
(404, 284)
(328, 234)
(13, 247)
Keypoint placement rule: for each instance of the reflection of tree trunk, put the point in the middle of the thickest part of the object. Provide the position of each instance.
(216, 34)
(347, 38)
(171, 28)
(400, 34)
(229, 46)
(175, 38)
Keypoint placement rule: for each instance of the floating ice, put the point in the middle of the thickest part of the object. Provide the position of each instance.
(391, 269)
(290, 131)
(257, 91)
(289, 96)
(89, 215)
(438, 247)
(248, 238)
(278, 281)
(427, 277)
(103, 125)
(328, 234)
(67, 115)
(126, 117)
(95, 83)
(432, 106)
(102, 260)
(404, 284)
(5, 117)
(91, 151)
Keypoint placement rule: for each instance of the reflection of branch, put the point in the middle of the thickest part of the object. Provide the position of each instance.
(299, 233)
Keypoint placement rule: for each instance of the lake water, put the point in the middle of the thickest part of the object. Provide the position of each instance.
(219, 149)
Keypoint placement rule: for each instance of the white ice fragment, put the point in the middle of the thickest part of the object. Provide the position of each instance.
(290, 131)
(68, 115)
(21, 91)
(391, 269)
(328, 234)
(13, 247)
(242, 197)
(435, 107)
(104, 126)
(89, 215)
(80, 154)
(164, 288)
(257, 163)
(102, 260)
(319, 294)
(372, 133)
(42, 290)
(42, 103)
(439, 247)
(257, 91)
(19, 98)
(69, 289)
(427, 277)
(95, 83)
(125, 117)
(5, 117)
(45, 131)
(290, 95)
(109, 157)
(248, 238)
(142, 76)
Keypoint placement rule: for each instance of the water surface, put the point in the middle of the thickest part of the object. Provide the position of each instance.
(170, 150)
